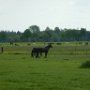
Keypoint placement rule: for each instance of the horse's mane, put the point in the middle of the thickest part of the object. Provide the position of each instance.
(48, 46)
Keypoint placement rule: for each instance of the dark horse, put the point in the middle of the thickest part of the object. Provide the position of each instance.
(38, 51)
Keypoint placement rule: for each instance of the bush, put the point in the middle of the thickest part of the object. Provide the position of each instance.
(85, 64)
(86, 43)
(58, 43)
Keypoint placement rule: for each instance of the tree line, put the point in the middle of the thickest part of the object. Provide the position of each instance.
(34, 34)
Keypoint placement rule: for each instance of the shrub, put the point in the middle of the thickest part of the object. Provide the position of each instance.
(86, 43)
(58, 43)
(28, 44)
(85, 64)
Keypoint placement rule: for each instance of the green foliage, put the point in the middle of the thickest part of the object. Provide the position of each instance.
(85, 64)
(34, 29)
(33, 34)
(26, 35)
(3, 36)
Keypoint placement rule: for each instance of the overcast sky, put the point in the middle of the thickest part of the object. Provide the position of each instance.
(20, 14)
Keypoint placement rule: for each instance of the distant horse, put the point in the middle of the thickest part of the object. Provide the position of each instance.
(36, 52)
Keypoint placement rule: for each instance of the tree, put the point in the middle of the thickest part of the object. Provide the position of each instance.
(3, 36)
(34, 34)
(57, 33)
(83, 33)
(57, 30)
(26, 35)
(50, 35)
(34, 29)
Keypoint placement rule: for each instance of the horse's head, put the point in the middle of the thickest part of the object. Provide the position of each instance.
(50, 45)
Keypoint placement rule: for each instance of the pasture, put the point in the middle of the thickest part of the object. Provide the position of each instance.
(59, 71)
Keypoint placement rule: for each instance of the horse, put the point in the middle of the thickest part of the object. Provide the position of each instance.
(36, 52)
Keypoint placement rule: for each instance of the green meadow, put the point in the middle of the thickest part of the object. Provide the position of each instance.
(61, 70)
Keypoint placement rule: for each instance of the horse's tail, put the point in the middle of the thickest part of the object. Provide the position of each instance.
(32, 53)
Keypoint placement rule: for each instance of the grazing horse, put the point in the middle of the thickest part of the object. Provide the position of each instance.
(38, 51)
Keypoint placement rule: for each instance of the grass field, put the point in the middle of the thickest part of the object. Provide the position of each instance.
(60, 71)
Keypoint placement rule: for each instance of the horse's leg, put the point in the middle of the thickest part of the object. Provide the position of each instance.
(46, 54)
(37, 54)
(40, 53)
(32, 53)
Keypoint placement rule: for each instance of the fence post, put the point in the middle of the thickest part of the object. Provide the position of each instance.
(1, 49)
